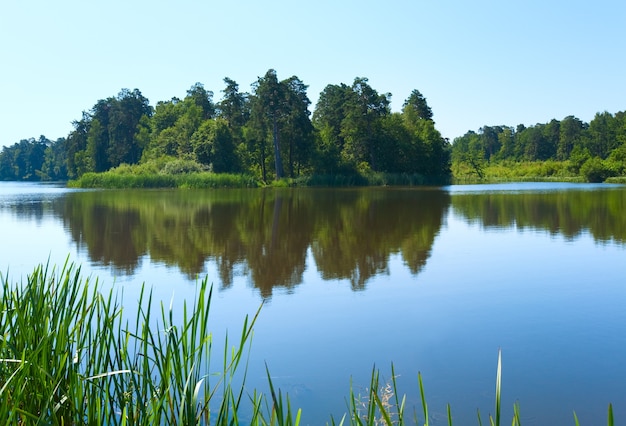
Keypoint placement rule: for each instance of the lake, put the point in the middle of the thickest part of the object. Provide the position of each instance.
(433, 280)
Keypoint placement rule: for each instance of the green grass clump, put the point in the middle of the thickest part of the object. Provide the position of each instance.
(113, 180)
(165, 173)
(592, 170)
(196, 180)
(68, 357)
(215, 180)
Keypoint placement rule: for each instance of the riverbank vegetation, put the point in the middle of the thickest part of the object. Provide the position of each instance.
(189, 174)
(566, 150)
(69, 355)
(267, 135)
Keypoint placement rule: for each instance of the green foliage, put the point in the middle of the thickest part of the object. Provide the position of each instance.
(212, 180)
(161, 180)
(268, 134)
(357, 132)
(569, 140)
(70, 356)
(180, 166)
(24, 160)
(352, 130)
(597, 170)
(214, 146)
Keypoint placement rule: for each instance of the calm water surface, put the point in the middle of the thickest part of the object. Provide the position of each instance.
(434, 280)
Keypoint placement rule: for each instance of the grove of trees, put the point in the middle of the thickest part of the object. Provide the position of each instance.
(269, 133)
(596, 150)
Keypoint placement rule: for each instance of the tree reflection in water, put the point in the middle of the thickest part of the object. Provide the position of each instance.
(352, 233)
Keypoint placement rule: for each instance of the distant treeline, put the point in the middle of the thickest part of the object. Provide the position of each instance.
(596, 150)
(268, 134)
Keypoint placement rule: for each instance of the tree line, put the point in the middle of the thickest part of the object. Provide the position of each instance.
(596, 149)
(269, 133)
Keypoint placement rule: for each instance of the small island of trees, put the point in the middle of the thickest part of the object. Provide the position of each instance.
(267, 135)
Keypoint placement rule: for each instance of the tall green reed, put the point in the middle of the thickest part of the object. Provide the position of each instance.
(68, 356)
(383, 406)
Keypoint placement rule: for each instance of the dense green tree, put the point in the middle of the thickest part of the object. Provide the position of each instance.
(106, 136)
(469, 149)
(55, 161)
(602, 135)
(268, 106)
(97, 144)
(24, 159)
(166, 113)
(519, 146)
(213, 145)
(234, 106)
(127, 112)
(256, 140)
(330, 111)
(174, 140)
(437, 151)
(203, 99)
(551, 137)
(416, 107)
(620, 125)
(506, 140)
(362, 124)
(6, 165)
(404, 151)
(280, 118)
(296, 129)
(490, 140)
(570, 131)
(430, 153)
(76, 147)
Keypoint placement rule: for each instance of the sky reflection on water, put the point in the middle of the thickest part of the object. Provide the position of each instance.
(450, 277)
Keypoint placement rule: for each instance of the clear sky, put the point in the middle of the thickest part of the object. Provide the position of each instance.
(477, 62)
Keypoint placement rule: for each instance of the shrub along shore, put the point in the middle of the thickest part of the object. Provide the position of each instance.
(188, 174)
(536, 171)
(68, 356)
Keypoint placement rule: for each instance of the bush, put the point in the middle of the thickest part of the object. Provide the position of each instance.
(596, 170)
(178, 167)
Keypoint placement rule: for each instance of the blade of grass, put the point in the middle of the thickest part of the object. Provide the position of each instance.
(424, 405)
(498, 387)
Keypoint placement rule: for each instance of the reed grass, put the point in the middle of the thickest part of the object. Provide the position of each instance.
(69, 356)
(126, 178)
(116, 180)
(113, 180)
(215, 180)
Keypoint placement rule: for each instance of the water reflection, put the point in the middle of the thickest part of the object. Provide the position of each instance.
(263, 233)
(598, 211)
(270, 235)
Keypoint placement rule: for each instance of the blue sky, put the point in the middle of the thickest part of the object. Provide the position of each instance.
(477, 63)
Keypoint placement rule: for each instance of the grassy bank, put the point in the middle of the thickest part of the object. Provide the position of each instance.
(68, 356)
(593, 170)
(113, 179)
(189, 174)
(508, 171)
